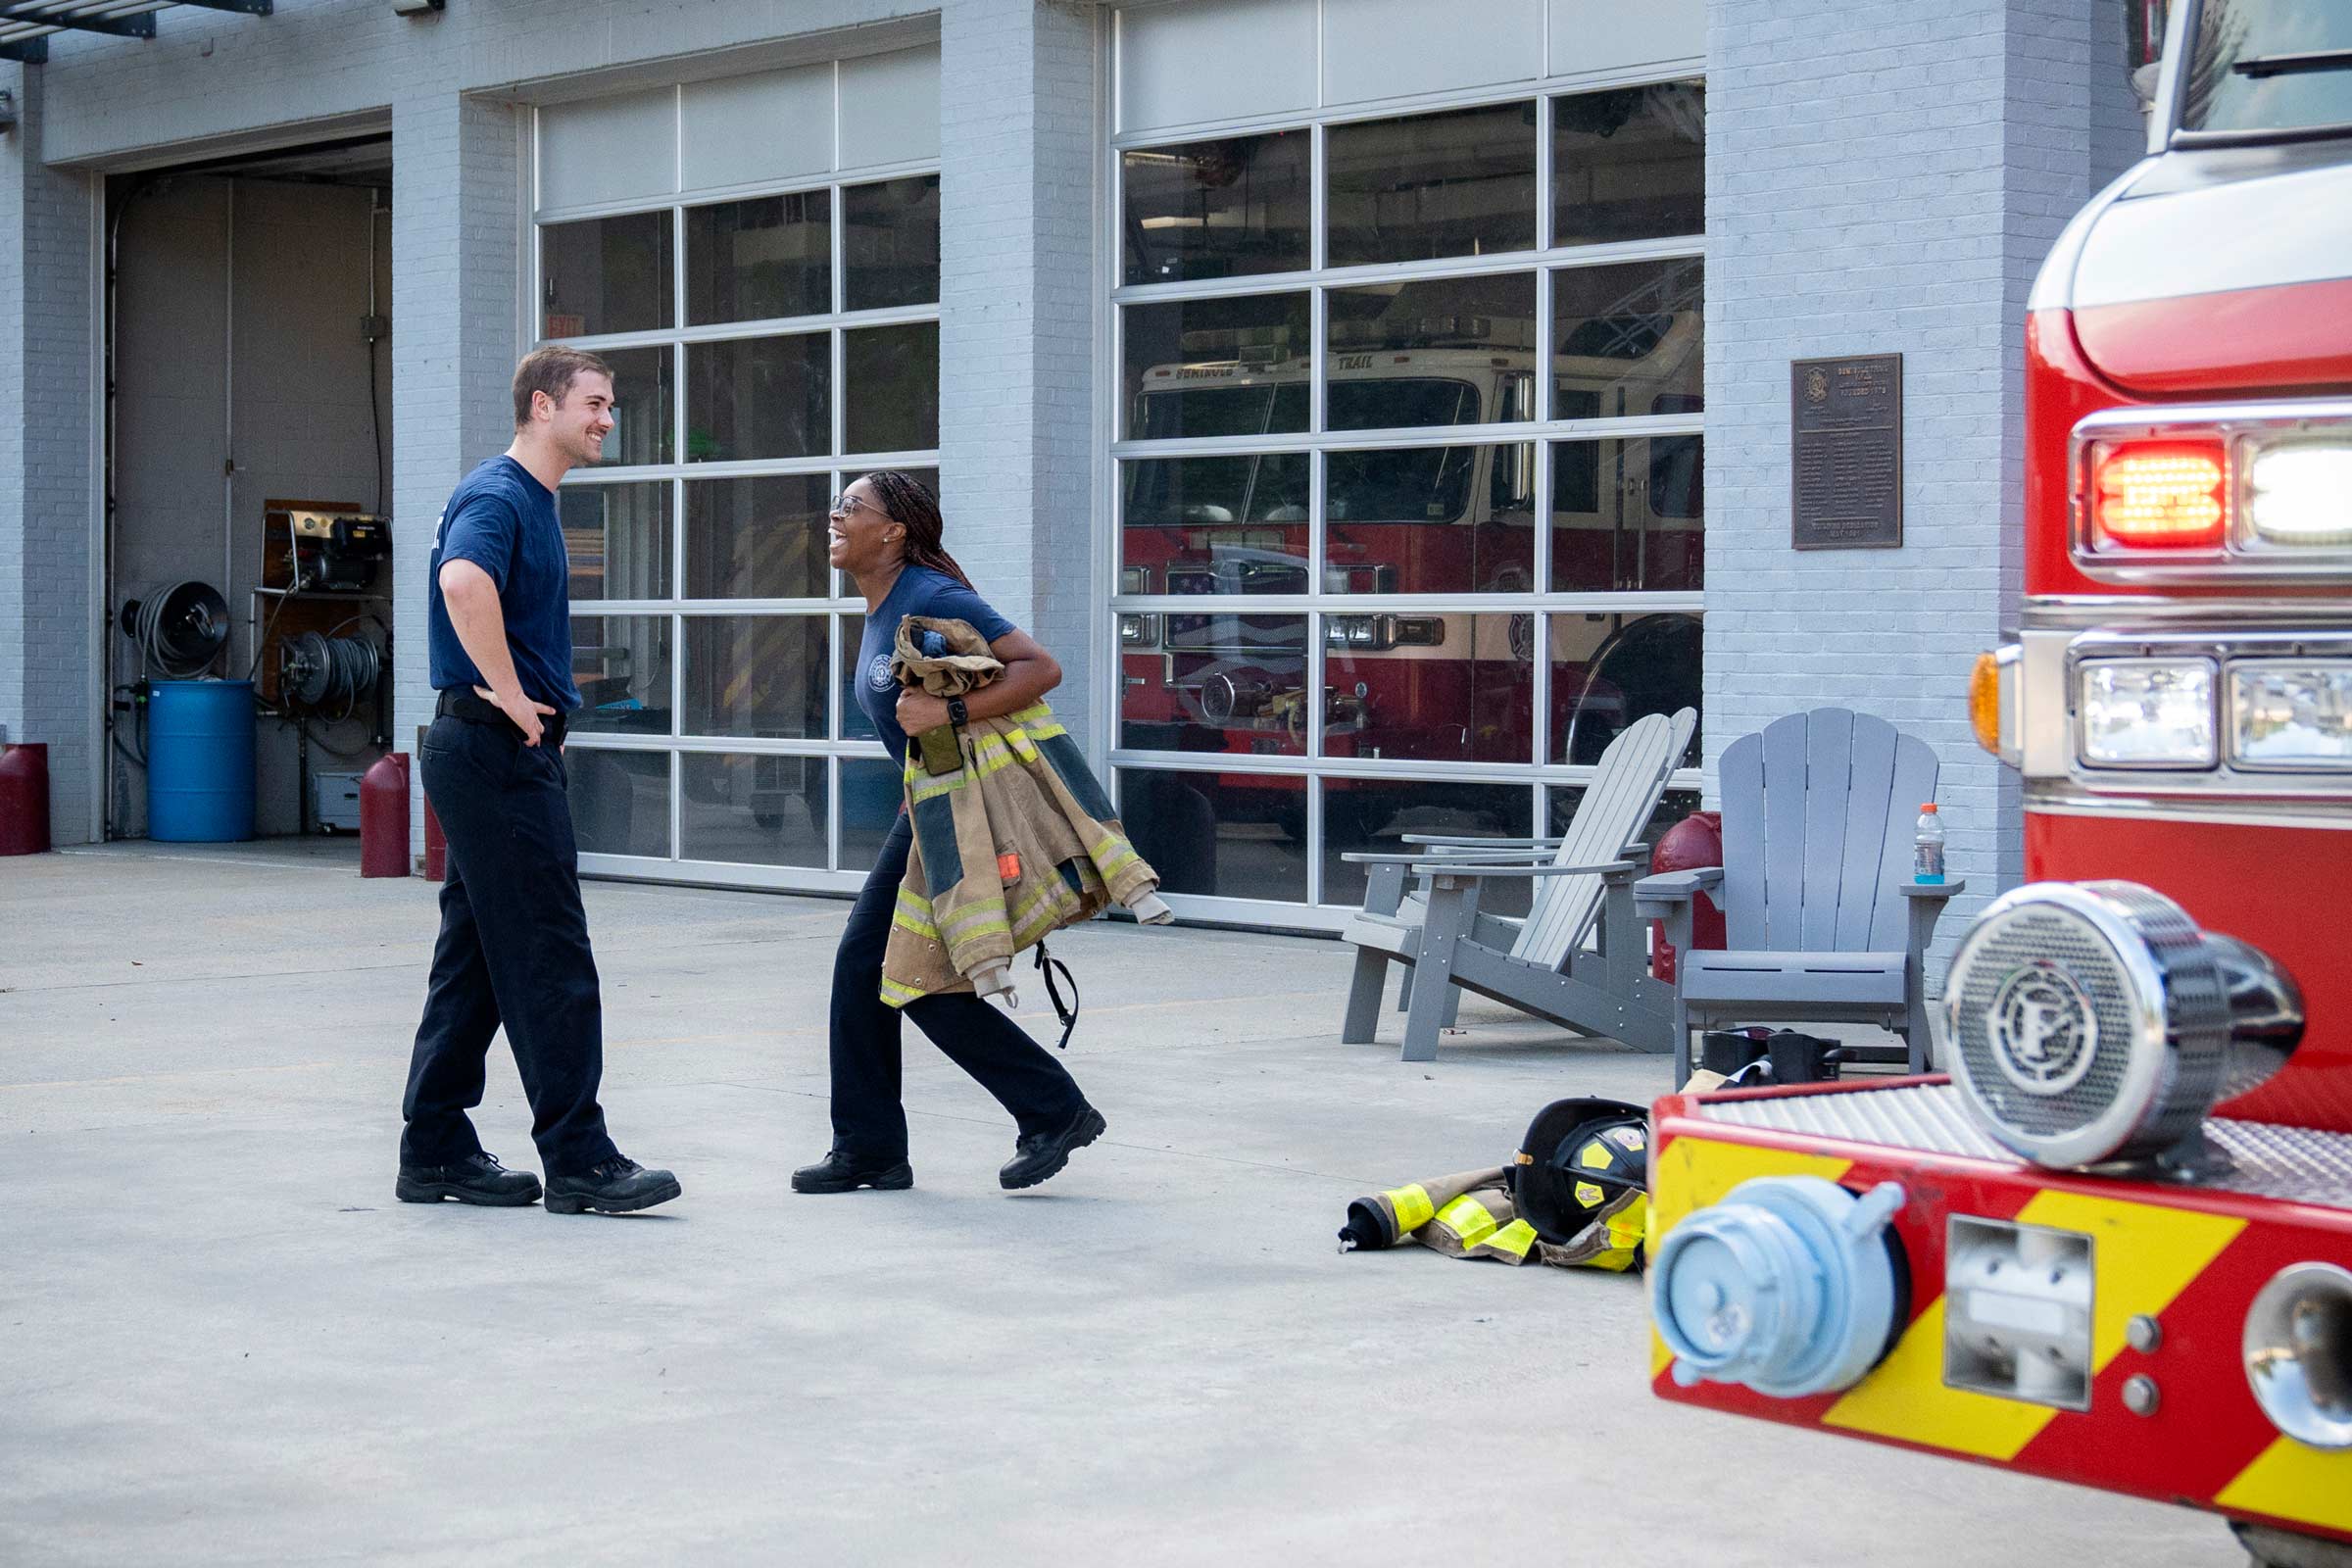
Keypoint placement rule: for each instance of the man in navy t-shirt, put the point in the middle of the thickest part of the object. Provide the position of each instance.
(503, 519)
(514, 946)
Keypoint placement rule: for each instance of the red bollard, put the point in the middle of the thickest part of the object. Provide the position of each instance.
(436, 848)
(384, 817)
(1695, 841)
(25, 800)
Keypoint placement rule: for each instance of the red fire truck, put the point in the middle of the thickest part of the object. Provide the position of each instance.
(2113, 1244)
(1416, 684)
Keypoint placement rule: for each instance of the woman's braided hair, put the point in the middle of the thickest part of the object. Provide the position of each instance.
(910, 503)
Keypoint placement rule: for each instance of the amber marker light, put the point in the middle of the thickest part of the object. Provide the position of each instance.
(1984, 702)
(2159, 495)
(1995, 691)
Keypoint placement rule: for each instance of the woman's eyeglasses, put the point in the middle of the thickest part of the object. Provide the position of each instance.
(846, 506)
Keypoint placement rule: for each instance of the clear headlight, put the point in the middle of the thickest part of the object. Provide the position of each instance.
(2147, 712)
(2300, 494)
(2290, 715)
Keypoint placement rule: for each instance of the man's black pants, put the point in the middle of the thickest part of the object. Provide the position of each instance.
(869, 1121)
(513, 949)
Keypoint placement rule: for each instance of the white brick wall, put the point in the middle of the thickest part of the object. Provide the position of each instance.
(13, 432)
(1018, 120)
(458, 216)
(1884, 176)
(47, 629)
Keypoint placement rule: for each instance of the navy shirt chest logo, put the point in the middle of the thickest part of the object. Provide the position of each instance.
(877, 673)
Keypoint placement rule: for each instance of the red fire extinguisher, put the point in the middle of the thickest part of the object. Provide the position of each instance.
(25, 800)
(384, 817)
(1693, 842)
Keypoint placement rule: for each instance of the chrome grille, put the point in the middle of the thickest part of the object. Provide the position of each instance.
(2090, 1022)
(2060, 940)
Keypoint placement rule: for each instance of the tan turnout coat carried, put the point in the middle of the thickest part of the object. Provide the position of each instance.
(1019, 841)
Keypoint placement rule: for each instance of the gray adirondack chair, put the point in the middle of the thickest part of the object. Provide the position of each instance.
(1541, 964)
(1823, 921)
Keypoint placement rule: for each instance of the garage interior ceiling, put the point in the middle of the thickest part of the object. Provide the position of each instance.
(363, 160)
(26, 25)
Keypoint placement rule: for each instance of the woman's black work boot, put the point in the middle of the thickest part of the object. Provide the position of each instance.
(842, 1172)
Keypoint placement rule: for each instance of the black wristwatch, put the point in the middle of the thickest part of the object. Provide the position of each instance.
(957, 713)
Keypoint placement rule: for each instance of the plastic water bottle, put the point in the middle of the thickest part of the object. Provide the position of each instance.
(1927, 855)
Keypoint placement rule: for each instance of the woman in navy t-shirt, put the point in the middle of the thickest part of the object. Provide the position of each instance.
(885, 533)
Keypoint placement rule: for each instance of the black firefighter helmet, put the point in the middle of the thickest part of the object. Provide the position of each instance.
(1577, 1156)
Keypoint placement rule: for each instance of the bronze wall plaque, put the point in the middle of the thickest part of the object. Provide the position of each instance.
(1845, 457)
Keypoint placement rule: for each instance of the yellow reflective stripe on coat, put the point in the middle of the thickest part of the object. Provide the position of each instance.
(1037, 716)
(1469, 1219)
(988, 753)
(1628, 1231)
(993, 752)
(914, 914)
(986, 920)
(921, 786)
(1411, 1207)
(894, 994)
(1515, 1238)
(1110, 860)
(1047, 892)
(1042, 914)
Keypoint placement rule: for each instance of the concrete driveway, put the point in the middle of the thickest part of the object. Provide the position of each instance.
(228, 1344)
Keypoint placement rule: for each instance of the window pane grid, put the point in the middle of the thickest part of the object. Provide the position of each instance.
(1410, 563)
(771, 327)
(747, 333)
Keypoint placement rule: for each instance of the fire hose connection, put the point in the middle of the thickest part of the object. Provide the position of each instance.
(1792, 1285)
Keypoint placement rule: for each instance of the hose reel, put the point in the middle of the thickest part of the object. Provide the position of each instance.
(178, 630)
(323, 674)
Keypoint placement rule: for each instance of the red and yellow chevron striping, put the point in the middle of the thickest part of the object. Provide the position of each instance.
(2190, 1260)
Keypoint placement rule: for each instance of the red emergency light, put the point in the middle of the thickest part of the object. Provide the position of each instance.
(2159, 495)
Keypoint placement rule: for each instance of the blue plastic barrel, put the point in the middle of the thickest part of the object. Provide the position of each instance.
(200, 760)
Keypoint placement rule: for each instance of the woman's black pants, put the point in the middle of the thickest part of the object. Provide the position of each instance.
(869, 1121)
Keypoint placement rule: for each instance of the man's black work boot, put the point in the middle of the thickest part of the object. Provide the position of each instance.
(1040, 1155)
(842, 1172)
(479, 1180)
(617, 1187)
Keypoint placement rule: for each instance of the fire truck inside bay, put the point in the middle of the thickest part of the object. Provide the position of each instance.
(1418, 685)
(2113, 1244)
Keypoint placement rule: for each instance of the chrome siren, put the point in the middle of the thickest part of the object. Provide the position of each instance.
(2093, 1022)
(2298, 1354)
